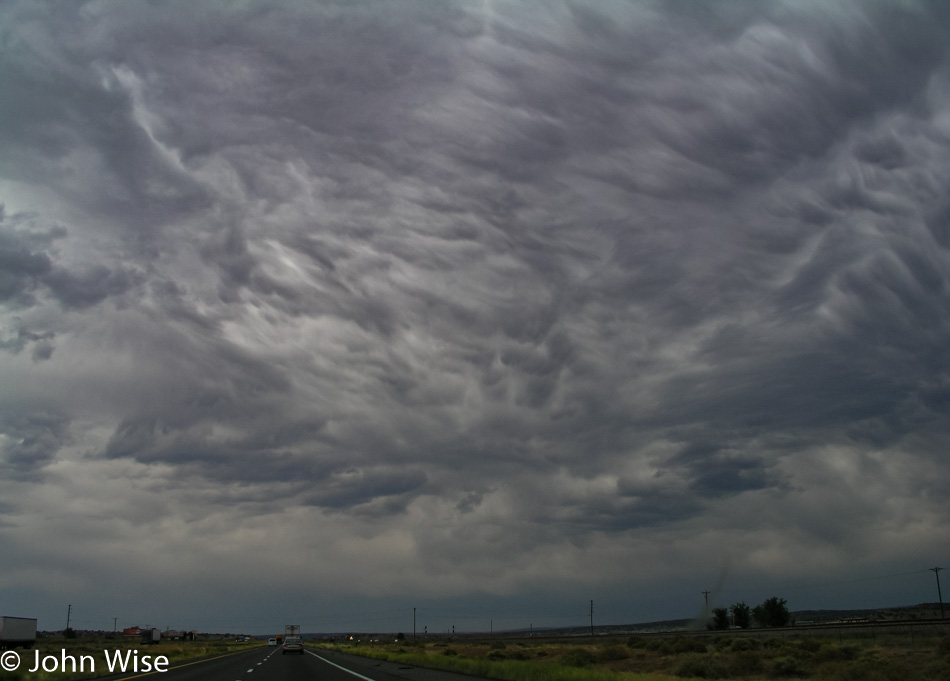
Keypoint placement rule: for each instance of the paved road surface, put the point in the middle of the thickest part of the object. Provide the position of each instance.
(268, 664)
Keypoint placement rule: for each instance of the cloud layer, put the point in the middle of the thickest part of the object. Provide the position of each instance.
(461, 301)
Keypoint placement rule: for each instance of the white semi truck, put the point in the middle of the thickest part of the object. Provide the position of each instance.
(17, 632)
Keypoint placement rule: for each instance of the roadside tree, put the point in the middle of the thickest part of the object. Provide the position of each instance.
(741, 615)
(771, 613)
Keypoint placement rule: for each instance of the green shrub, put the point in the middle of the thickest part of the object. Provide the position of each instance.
(938, 672)
(636, 642)
(496, 655)
(661, 646)
(449, 651)
(870, 670)
(578, 657)
(847, 651)
(682, 644)
(812, 645)
(612, 653)
(742, 644)
(498, 645)
(701, 666)
(787, 666)
(745, 663)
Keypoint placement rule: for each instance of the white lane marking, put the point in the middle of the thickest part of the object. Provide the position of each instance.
(348, 671)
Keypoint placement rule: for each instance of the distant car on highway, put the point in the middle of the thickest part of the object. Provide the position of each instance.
(272, 641)
(292, 644)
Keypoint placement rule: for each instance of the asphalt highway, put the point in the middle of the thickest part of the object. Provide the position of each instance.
(268, 664)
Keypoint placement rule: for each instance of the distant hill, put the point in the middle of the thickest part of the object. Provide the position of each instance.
(922, 611)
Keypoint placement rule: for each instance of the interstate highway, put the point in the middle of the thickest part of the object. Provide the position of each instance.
(268, 664)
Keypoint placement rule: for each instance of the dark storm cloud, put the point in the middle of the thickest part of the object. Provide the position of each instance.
(354, 487)
(33, 440)
(489, 281)
(23, 260)
(41, 349)
(718, 124)
(81, 290)
(63, 113)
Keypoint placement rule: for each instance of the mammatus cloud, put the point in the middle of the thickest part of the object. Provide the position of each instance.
(482, 298)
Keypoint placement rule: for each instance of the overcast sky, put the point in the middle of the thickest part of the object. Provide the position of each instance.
(317, 312)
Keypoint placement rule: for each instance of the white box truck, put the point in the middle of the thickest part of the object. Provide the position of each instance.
(17, 631)
(150, 636)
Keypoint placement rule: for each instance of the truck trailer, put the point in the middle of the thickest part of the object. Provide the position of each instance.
(17, 632)
(150, 636)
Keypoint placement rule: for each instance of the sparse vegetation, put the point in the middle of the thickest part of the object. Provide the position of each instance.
(613, 653)
(687, 644)
(578, 657)
(727, 656)
(695, 665)
(788, 665)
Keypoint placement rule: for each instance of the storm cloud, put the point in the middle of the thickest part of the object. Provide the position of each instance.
(439, 302)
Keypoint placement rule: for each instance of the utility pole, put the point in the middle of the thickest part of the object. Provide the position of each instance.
(936, 571)
(115, 627)
(69, 612)
(706, 596)
(413, 622)
(592, 618)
